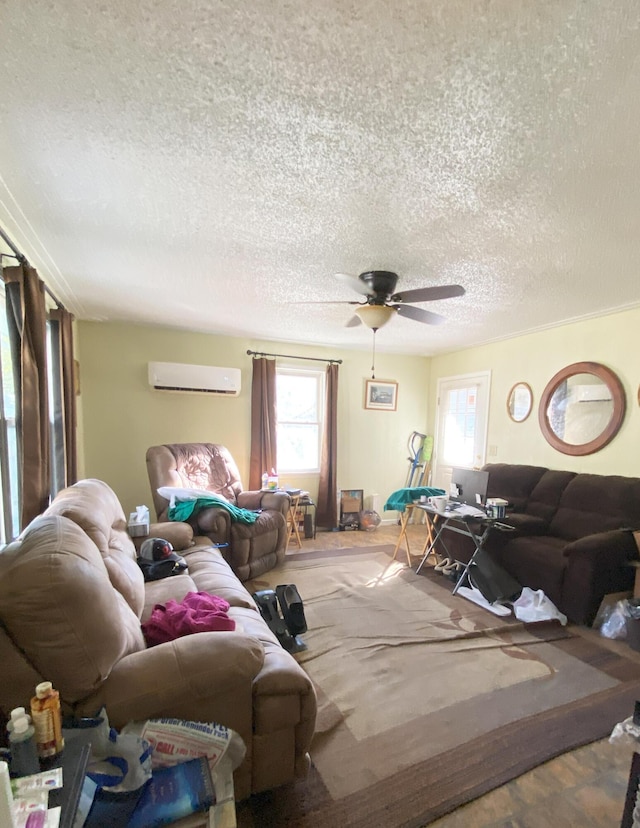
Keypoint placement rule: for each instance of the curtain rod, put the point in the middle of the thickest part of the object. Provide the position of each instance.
(289, 356)
(23, 260)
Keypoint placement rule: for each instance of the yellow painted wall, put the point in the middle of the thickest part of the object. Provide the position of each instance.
(122, 416)
(535, 358)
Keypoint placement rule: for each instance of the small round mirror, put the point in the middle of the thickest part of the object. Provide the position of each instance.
(519, 402)
(582, 408)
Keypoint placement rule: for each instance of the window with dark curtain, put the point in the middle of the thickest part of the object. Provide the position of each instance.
(38, 451)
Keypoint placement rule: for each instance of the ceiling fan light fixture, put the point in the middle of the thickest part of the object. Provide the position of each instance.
(375, 316)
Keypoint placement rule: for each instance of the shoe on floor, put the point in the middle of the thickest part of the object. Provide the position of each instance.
(445, 562)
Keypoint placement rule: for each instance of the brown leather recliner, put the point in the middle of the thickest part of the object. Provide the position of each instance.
(252, 548)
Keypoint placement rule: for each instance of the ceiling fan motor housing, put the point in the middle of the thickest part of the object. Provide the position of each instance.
(381, 282)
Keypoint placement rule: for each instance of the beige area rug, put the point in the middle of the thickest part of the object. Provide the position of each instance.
(426, 700)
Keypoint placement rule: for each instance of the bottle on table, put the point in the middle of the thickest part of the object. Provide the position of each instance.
(16, 713)
(47, 720)
(22, 744)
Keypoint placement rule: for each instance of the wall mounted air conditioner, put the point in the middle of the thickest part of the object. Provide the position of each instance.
(194, 379)
(598, 392)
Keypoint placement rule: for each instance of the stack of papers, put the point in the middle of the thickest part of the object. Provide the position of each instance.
(464, 510)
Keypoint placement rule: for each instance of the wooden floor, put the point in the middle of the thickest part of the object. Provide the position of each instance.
(582, 789)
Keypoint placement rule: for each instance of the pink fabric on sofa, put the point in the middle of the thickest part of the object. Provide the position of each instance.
(197, 612)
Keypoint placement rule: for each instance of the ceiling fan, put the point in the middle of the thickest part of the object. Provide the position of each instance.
(382, 302)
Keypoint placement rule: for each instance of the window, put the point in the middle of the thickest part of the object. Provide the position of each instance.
(460, 426)
(9, 488)
(300, 396)
(56, 407)
(9, 465)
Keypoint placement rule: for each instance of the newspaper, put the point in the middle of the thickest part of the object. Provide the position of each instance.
(177, 740)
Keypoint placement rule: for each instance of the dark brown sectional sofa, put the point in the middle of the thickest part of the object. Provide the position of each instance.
(572, 538)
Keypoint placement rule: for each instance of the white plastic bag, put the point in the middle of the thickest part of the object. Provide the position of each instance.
(120, 762)
(533, 605)
(626, 733)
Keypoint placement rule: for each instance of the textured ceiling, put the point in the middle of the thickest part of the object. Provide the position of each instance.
(205, 164)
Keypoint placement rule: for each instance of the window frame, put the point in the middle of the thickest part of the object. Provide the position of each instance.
(9, 476)
(319, 376)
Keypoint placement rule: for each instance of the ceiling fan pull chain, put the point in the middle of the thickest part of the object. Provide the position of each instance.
(373, 357)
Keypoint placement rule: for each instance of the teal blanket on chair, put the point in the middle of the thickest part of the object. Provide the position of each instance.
(183, 509)
(398, 500)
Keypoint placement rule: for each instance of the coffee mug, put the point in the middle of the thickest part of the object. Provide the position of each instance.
(439, 503)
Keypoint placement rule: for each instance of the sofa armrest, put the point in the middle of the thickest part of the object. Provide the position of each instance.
(214, 522)
(613, 548)
(208, 671)
(285, 706)
(274, 501)
(179, 535)
(596, 566)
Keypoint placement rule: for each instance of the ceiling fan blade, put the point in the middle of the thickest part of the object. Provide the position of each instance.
(420, 315)
(355, 283)
(429, 294)
(327, 302)
(353, 322)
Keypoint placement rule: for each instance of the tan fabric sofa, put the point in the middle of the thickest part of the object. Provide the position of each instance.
(72, 599)
(251, 549)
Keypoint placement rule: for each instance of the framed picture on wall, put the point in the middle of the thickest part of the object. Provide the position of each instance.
(381, 395)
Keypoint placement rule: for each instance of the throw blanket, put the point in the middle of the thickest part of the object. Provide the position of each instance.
(183, 509)
(197, 612)
(398, 500)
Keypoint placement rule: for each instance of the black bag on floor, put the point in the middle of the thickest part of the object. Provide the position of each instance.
(492, 580)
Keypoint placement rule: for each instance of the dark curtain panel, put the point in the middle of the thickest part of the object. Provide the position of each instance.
(264, 455)
(327, 512)
(65, 335)
(27, 322)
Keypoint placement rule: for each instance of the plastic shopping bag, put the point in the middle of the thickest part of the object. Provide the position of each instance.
(533, 605)
(119, 762)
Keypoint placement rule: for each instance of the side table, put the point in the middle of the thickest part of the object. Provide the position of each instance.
(477, 527)
(306, 503)
(73, 761)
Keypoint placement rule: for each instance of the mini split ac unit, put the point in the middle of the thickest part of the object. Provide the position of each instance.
(598, 392)
(194, 379)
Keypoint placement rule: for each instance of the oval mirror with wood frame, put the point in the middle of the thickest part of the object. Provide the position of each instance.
(520, 402)
(582, 408)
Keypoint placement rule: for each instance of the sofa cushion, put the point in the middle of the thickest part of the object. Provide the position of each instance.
(94, 507)
(512, 482)
(545, 497)
(59, 607)
(593, 503)
(173, 588)
(525, 525)
(211, 573)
